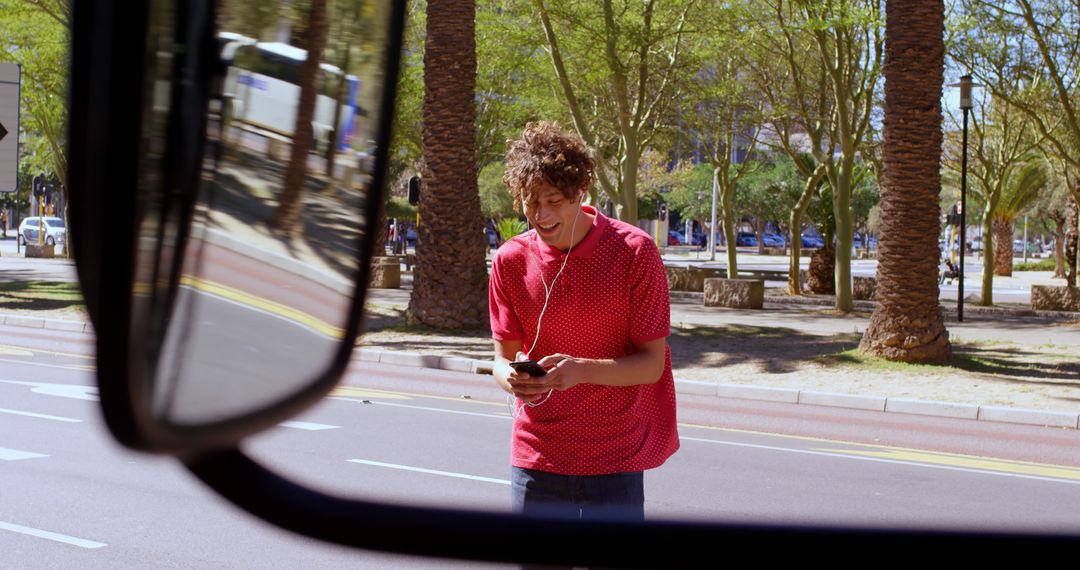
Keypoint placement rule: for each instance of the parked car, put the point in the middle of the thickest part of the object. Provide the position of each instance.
(745, 239)
(812, 241)
(675, 237)
(53, 228)
(772, 240)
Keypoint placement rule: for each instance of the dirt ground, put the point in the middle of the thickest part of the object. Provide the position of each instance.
(989, 373)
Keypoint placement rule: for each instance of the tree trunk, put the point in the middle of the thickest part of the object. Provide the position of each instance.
(821, 276)
(1071, 234)
(796, 217)
(1059, 256)
(844, 237)
(908, 323)
(450, 280)
(288, 214)
(1003, 248)
(759, 232)
(731, 245)
(335, 134)
(987, 295)
(727, 213)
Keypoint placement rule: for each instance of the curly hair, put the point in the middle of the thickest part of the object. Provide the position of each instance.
(547, 154)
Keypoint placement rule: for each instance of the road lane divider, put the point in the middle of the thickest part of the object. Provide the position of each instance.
(309, 426)
(16, 455)
(53, 536)
(76, 391)
(39, 416)
(236, 296)
(429, 471)
(505, 416)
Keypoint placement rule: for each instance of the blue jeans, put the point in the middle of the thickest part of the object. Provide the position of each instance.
(619, 495)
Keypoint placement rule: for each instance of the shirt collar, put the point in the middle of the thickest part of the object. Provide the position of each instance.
(583, 249)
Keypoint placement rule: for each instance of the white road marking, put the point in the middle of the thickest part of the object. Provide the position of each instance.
(307, 426)
(80, 542)
(15, 455)
(882, 460)
(75, 391)
(430, 471)
(425, 408)
(40, 416)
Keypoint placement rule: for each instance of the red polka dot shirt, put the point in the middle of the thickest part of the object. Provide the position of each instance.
(612, 296)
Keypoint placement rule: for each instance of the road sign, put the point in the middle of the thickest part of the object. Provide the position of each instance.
(10, 76)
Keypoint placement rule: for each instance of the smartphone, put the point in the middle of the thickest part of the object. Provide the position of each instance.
(529, 367)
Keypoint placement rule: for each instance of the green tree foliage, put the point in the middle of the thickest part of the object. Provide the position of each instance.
(511, 82)
(510, 227)
(616, 64)
(693, 199)
(35, 34)
(768, 192)
(495, 200)
(657, 178)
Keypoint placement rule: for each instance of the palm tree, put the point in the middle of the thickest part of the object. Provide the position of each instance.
(450, 280)
(908, 323)
(287, 216)
(1019, 191)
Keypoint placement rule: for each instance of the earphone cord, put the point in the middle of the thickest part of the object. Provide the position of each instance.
(547, 297)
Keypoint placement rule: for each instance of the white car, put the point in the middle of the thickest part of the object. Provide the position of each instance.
(53, 230)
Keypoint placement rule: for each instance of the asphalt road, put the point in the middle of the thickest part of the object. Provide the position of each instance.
(72, 497)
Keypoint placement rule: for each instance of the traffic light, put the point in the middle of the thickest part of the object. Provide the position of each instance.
(663, 211)
(414, 190)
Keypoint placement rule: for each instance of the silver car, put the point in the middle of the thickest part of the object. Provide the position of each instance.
(53, 230)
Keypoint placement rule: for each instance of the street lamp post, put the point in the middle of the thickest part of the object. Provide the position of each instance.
(965, 86)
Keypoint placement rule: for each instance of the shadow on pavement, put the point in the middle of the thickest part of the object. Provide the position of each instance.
(246, 189)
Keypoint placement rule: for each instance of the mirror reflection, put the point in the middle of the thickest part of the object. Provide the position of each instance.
(266, 274)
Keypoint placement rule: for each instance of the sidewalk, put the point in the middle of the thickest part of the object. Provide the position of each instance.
(775, 361)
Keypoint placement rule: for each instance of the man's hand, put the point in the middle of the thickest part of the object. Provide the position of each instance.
(523, 386)
(564, 371)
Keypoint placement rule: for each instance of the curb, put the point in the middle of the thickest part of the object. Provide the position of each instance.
(1001, 414)
(1047, 418)
(47, 324)
(947, 308)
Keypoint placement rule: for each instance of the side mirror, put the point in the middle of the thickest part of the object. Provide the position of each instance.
(220, 252)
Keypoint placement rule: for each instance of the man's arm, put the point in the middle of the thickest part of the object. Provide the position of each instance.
(645, 366)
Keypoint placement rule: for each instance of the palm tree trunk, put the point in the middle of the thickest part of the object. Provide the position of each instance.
(450, 283)
(287, 216)
(1003, 248)
(987, 295)
(908, 323)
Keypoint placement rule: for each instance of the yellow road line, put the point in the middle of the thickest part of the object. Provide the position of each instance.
(910, 455)
(268, 306)
(966, 462)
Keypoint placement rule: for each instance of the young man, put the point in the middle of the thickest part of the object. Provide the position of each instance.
(586, 296)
